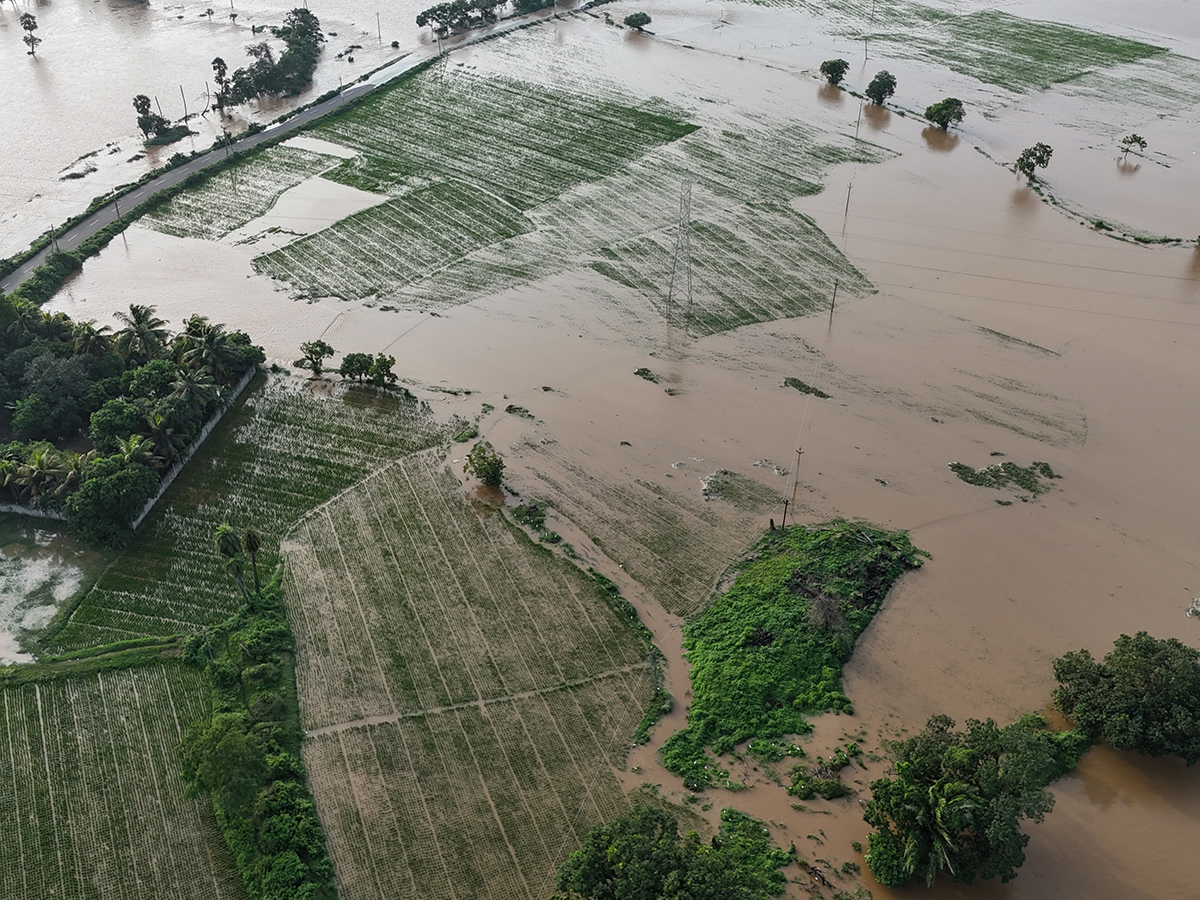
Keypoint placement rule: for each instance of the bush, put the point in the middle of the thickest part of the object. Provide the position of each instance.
(638, 20)
(111, 496)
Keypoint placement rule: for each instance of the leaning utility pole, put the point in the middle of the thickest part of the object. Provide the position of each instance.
(681, 264)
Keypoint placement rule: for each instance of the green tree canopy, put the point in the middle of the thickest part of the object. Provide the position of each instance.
(641, 856)
(313, 355)
(1144, 696)
(834, 70)
(638, 20)
(946, 112)
(1035, 157)
(485, 464)
(882, 86)
(356, 366)
(957, 799)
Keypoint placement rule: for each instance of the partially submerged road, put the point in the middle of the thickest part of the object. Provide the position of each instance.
(107, 214)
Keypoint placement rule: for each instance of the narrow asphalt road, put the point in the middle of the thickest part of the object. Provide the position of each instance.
(107, 214)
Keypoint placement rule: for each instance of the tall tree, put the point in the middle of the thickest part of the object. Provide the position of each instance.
(229, 546)
(143, 336)
(946, 112)
(1035, 157)
(313, 356)
(881, 88)
(834, 70)
(252, 543)
(88, 340)
(29, 25)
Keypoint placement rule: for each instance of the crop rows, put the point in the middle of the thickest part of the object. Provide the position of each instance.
(1023, 55)
(523, 142)
(229, 199)
(675, 546)
(466, 691)
(378, 250)
(404, 599)
(739, 275)
(90, 792)
(284, 451)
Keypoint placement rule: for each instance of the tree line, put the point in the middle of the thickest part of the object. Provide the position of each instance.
(957, 800)
(267, 76)
(246, 755)
(138, 395)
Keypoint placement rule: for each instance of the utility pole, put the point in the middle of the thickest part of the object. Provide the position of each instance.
(184, 96)
(54, 240)
(378, 28)
(117, 206)
(159, 105)
(833, 301)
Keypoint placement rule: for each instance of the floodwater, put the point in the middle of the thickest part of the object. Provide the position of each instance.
(1001, 325)
(40, 569)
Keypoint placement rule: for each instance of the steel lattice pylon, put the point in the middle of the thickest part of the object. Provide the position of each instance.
(683, 249)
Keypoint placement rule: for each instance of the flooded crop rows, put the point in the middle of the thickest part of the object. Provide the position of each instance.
(285, 452)
(93, 801)
(464, 689)
(229, 199)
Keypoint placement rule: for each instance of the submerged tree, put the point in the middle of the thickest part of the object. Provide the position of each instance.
(1037, 156)
(882, 86)
(1144, 696)
(957, 800)
(834, 70)
(148, 122)
(946, 113)
(485, 464)
(29, 25)
(1130, 141)
(313, 356)
(637, 20)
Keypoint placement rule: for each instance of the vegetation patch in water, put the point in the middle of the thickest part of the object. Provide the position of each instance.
(1001, 475)
(804, 387)
(770, 650)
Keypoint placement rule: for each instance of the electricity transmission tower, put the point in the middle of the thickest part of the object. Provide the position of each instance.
(681, 264)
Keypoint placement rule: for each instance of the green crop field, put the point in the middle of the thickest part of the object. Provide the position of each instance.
(229, 199)
(281, 452)
(90, 792)
(466, 692)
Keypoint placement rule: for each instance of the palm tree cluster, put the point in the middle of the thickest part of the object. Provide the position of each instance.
(140, 394)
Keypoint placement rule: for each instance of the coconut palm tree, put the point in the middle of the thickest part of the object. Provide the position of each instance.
(144, 334)
(74, 467)
(196, 389)
(57, 327)
(137, 449)
(88, 340)
(8, 475)
(211, 349)
(39, 477)
(229, 546)
(26, 319)
(252, 543)
(168, 443)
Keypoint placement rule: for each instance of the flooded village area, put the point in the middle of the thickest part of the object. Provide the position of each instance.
(686, 288)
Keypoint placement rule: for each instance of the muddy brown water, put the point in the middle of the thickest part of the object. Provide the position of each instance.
(1087, 362)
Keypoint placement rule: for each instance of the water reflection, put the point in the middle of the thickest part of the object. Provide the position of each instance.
(1125, 167)
(938, 139)
(877, 117)
(830, 95)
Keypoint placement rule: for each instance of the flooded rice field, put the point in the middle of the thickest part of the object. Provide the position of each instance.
(40, 569)
(974, 318)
